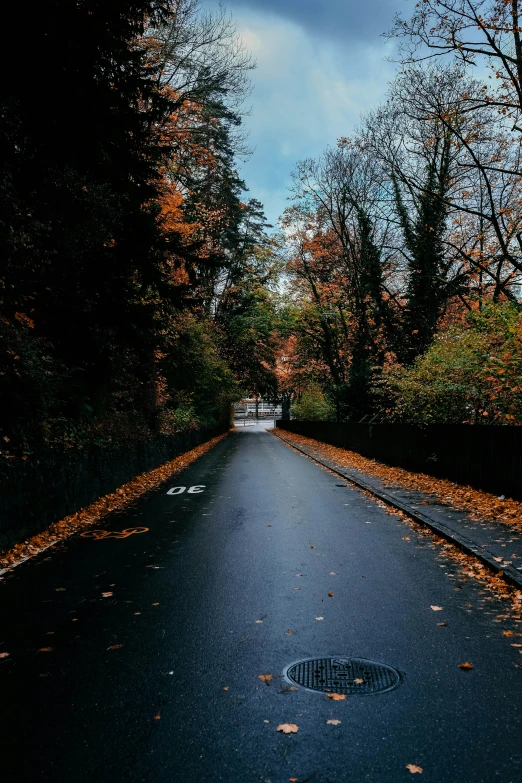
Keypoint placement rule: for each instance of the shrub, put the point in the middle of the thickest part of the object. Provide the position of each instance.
(313, 406)
(472, 373)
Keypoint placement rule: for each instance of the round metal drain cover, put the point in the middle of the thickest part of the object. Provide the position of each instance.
(344, 675)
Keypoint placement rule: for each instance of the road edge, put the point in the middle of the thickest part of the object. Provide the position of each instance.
(90, 515)
(507, 573)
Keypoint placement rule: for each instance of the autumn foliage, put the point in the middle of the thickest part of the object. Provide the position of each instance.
(403, 243)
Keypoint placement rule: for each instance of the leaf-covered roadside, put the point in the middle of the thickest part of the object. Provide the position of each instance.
(463, 566)
(92, 514)
(481, 506)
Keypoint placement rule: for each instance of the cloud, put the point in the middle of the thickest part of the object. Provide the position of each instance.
(308, 91)
(344, 19)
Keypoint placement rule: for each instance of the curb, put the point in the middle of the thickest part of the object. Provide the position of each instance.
(507, 573)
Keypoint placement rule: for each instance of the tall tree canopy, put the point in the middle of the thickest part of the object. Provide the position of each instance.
(123, 217)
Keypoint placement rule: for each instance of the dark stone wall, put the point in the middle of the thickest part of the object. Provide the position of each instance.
(51, 485)
(485, 457)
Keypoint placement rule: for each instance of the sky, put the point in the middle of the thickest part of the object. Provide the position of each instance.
(320, 64)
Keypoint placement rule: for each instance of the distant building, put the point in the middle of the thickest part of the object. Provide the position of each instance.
(247, 409)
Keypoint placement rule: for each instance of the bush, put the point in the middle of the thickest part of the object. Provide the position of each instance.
(471, 374)
(313, 406)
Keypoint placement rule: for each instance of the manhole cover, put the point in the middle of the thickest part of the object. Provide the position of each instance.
(344, 675)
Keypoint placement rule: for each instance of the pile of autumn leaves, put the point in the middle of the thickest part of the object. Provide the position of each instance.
(479, 505)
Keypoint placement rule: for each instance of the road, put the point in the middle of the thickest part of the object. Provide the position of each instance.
(138, 658)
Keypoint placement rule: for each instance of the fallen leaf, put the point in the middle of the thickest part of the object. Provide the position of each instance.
(4, 655)
(465, 665)
(330, 595)
(413, 768)
(507, 633)
(516, 645)
(358, 681)
(498, 559)
(441, 625)
(259, 621)
(46, 649)
(333, 722)
(115, 646)
(137, 612)
(319, 618)
(157, 717)
(405, 538)
(297, 588)
(437, 608)
(156, 604)
(288, 728)
(225, 688)
(336, 696)
(289, 633)
(333, 573)
(60, 589)
(265, 677)
(106, 595)
(269, 525)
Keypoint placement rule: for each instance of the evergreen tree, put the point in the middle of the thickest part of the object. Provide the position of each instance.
(428, 287)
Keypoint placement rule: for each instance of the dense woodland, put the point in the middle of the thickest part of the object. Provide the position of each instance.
(142, 291)
(135, 269)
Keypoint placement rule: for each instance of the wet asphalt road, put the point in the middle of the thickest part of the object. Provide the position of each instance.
(180, 700)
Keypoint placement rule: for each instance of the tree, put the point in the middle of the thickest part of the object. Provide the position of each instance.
(483, 120)
(337, 248)
(124, 229)
(434, 151)
(78, 227)
(474, 31)
(428, 288)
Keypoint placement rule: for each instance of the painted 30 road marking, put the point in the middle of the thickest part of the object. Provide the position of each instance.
(190, 491)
